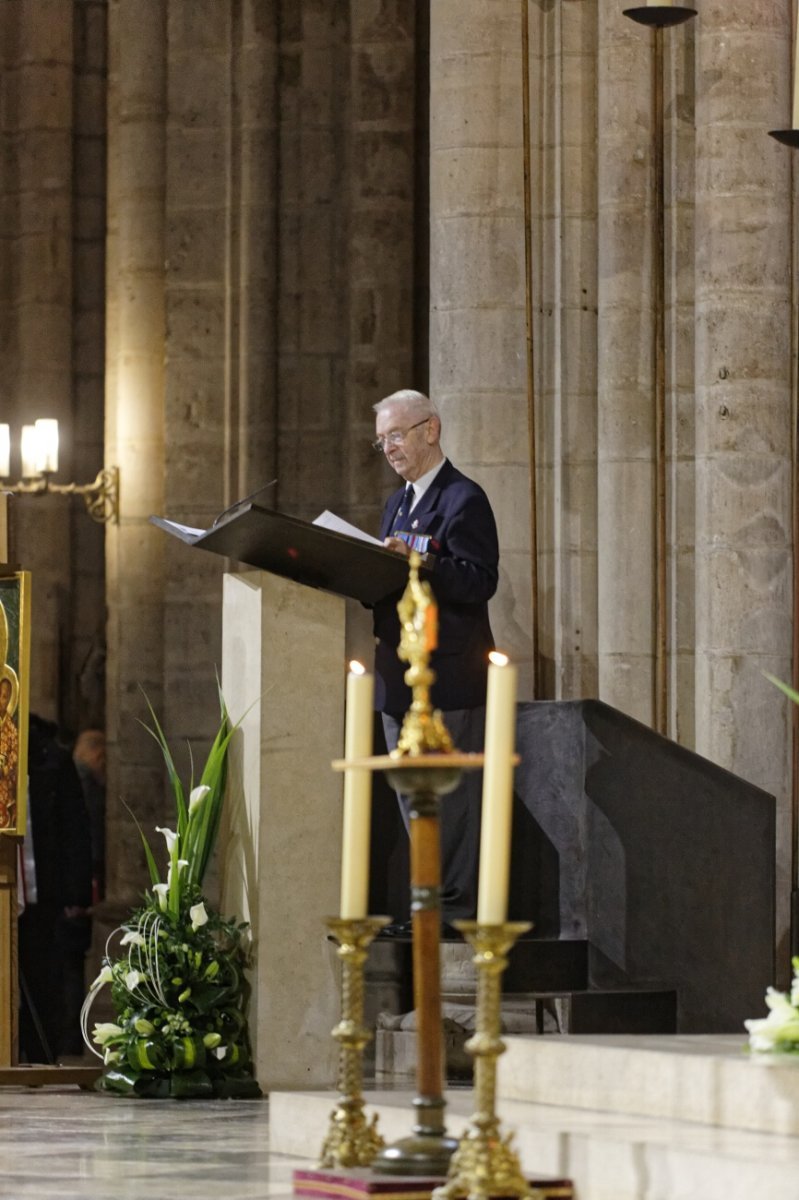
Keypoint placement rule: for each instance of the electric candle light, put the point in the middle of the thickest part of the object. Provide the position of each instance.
(492, 904)
(357, 795)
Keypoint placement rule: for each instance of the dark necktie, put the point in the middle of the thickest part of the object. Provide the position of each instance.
(405, 507)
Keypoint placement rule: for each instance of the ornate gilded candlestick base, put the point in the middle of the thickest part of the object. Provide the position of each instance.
(484, 1164)
(351, 1140)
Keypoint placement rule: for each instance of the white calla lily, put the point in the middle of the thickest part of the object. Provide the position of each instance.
(198, 915)
(170, 835)
(161, 890)
(182, 862)
(105, 976)
(197, 795)
(132, 938)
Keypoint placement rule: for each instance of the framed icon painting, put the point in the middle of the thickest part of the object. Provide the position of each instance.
(14, 699)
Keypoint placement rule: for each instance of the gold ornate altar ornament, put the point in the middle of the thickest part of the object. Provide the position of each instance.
(423, 730)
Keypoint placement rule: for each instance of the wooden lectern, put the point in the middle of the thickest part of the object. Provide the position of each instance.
(283, 677)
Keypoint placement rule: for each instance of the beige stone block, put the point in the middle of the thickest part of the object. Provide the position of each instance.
(194, 402)
(479, 260)
(382, 21)
(743, 602)
(195, 247)
(744, 726)
(198, 25)
(625, 358)
(508, 488)
(196, 168)
(470, 28)
(746, 239)
(625, 495)
(475, 179)
(494, 421)
(512, 607)
(732, 159)
(744, 502)
(626, 680)
(198, 92)
(468, 110)
(195, 321)
(747, 337)
(42, 98)
(741, 78)
(41, 271)
(43, 161)
(285, 644)
(477, 349)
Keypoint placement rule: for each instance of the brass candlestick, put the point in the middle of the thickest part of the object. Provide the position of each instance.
(351, 1140)
(484, 1164)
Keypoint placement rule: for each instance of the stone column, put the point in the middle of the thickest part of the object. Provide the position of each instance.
(381, 232)
(37, 91)
(743, 392)
(477, 299)
(625, 435)
(563, 173)
(135, 422)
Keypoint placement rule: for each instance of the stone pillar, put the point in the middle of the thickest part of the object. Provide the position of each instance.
(477, 298)
(37, 91)
(625, 434)
(743, 393)
(564, 274)
(135, 423)
(381, 233)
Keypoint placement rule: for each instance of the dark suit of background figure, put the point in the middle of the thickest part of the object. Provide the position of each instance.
(54, 932)
(456, 514)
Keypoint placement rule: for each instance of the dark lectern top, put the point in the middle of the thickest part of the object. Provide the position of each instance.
(294, 549)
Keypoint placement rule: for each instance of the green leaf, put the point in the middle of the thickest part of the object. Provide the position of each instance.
(152, 866)
(784, 687)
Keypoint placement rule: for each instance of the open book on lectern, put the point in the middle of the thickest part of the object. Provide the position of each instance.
(321, 555)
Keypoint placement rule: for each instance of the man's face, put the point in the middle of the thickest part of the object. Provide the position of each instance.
(417, 451)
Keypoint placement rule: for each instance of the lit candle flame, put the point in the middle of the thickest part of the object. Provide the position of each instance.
(498, 658)
(357, 668)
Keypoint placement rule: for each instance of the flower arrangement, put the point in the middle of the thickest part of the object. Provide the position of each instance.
(178, 986)
(778, 1033)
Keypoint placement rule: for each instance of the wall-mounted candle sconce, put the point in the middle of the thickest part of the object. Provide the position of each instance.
(39, 454)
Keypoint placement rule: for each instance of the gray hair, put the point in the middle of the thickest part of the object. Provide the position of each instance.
(416, 403)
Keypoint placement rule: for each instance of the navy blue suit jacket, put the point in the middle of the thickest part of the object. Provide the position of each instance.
(456, 514)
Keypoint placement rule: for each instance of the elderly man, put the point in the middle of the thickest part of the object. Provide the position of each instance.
(451, 515)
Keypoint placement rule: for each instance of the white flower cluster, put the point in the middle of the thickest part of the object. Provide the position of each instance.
(778, 1033)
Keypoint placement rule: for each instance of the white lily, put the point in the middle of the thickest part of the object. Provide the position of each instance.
(161, 890)
(198, 915)
(170, 835)
(104, 1031)
(197, 795)
(781, 1026)
(182, 862)
(132, 938)
(133, 979)
(105, 976)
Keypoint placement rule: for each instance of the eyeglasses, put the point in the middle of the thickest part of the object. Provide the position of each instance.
(396, 436)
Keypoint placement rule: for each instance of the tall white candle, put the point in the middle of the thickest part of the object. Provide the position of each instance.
(357, 795)
(492, 902)
(795, 119)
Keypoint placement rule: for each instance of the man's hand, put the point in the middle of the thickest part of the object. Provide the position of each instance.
(397, 545)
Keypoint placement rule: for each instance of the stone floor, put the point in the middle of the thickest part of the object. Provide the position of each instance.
(65, 1143)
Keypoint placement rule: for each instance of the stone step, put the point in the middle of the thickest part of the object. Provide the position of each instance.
(608, 1155)
(707, 1080)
